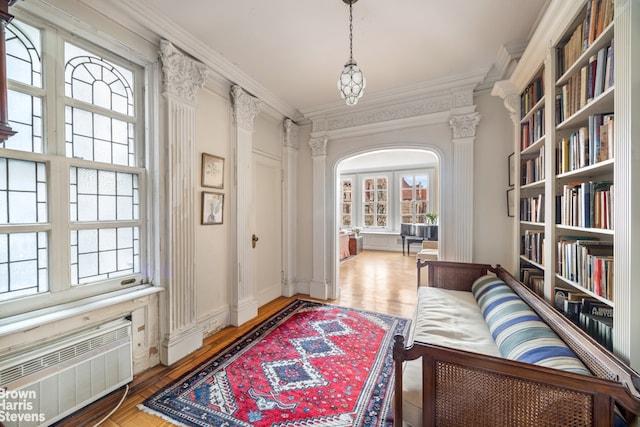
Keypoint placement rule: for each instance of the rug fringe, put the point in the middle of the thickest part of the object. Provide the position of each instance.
(150, 411)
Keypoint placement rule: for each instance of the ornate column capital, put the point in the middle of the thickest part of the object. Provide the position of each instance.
(290, 134)
(464, 126)
(245, 108)
(182, 76)
(318, 146)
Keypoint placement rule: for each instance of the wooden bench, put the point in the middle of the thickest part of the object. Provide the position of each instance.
(461, 388)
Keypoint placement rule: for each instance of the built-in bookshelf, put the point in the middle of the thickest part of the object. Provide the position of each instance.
(584, 172)
(531, 157)
(566, 183)
(584, 239)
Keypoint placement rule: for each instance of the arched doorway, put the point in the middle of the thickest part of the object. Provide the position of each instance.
(377, 191)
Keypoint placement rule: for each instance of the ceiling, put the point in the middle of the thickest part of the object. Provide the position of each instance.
(294, 50)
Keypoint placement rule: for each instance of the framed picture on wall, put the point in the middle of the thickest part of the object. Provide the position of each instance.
(212, 171)
(511, 168)
(511, 203)
(212, 208)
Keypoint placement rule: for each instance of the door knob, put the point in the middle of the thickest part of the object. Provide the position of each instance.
(254, 240)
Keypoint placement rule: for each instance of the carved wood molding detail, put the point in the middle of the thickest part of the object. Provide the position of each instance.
(245, 108)
(464, 126)
(182, 76)
(318, 146)
(290, 134)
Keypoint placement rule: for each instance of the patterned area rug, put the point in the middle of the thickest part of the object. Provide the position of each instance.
(312, 364)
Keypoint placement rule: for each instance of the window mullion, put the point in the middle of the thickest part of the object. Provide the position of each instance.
(59, 211)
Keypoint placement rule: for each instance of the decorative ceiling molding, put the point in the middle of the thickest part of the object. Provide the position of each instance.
(419, 108)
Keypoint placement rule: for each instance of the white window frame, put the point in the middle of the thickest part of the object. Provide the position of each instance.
(414, 173)
(58, 165)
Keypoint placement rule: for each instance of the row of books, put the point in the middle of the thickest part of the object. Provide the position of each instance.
(533, 168)
(532, 208)
(592, 316)
(531, 95)
(587, 204)
(584, 86)
(599, 15)
(589, 263)
(532, 129)
(588, 145)
(532, 277)
(532, 246)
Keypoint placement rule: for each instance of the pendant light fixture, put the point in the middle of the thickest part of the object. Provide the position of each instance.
(351, 83)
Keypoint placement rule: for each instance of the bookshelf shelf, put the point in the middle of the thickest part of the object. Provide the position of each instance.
(535, 147)
(603, 104)
(595, 170)
(577, 286)
(533, 185)
(585, 230)
(532, 224)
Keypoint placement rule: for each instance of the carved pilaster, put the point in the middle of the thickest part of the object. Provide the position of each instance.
(464, 126)
(290, 166)
(290, 134)
(464, 131)
(245, 108)
(319, 287)
(244, 306)
(182, 76)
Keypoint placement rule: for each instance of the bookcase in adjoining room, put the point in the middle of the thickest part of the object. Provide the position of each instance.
(578, 184)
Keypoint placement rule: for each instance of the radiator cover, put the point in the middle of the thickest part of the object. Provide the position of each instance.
(43, 384)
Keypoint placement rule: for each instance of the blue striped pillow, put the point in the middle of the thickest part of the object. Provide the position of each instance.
(518, 331)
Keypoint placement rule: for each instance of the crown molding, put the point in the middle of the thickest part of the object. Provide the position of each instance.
(142, 19)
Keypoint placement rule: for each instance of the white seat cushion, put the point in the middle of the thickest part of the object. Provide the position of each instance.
(447, 318)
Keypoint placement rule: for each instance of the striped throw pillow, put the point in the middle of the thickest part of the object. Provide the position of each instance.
(518, 331)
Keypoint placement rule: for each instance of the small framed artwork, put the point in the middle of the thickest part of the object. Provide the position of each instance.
(511, 168)
(212, 171)
(511, 203)
(212, 208)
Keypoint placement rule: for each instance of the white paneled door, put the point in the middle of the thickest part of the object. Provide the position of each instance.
(267, 228)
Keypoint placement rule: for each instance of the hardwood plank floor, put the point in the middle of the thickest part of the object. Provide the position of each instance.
(383, 282)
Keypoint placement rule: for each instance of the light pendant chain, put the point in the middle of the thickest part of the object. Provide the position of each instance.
(351, 83)
(351, 30)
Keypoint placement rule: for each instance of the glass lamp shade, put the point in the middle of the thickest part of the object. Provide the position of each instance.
(351, 83)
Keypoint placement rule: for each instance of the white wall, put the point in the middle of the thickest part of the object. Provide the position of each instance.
(492, 240)
(213, 279)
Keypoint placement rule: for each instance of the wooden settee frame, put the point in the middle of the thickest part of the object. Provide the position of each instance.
(461, 388)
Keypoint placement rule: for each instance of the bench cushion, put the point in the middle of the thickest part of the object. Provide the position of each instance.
(518, 331)
(448, 318)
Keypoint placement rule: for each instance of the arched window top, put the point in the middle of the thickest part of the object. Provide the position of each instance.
(24, 53)
(97, 81)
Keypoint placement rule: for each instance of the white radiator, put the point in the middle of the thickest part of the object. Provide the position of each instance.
(46, 383)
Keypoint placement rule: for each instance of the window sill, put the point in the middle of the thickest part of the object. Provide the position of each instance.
(33, 319)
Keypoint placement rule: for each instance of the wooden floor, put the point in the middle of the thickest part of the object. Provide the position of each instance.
(378, 281)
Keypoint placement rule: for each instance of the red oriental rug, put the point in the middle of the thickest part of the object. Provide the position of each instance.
(312, 364)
